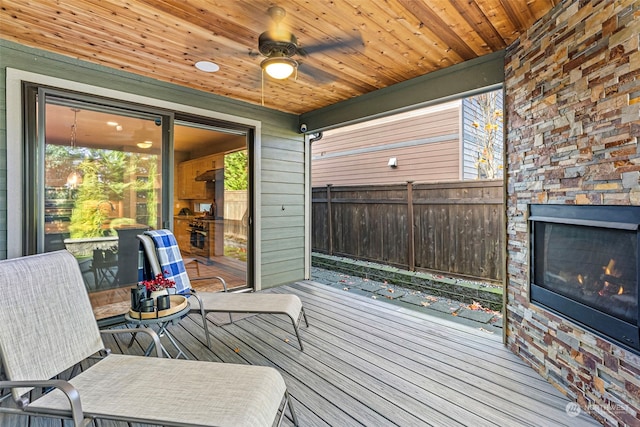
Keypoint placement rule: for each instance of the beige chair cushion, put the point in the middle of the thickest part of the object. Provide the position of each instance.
(147, 389)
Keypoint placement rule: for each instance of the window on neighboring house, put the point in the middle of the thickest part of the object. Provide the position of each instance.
(483, 143)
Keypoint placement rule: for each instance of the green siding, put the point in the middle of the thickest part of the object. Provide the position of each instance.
(282, 150)
(282, 229)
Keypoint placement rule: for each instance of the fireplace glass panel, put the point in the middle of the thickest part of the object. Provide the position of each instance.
(594, 266)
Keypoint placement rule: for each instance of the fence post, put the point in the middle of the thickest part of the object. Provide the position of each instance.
(329, 219)
(410, 228)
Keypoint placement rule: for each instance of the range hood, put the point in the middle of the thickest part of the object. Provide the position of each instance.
(209, 175)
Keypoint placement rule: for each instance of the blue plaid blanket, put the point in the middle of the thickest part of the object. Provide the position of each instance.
(170, 260)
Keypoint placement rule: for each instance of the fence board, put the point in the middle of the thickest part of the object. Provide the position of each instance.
(457, 227)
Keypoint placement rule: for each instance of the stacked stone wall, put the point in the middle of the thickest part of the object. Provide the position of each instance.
(572, 86)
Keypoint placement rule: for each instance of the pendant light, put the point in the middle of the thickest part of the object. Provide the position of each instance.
(74, 179)
(143, 137)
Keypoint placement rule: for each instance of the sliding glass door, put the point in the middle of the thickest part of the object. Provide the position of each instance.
(211, 198)
(98, 172)
(96, 182)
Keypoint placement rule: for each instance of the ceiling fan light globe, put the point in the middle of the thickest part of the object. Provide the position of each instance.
(279, 68)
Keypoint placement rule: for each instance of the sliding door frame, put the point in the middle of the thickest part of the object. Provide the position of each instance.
(16, 151)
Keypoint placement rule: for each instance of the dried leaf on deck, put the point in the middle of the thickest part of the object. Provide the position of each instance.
(476, 306)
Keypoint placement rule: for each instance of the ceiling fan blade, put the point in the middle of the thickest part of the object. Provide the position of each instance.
(316, 74)
(350, 43)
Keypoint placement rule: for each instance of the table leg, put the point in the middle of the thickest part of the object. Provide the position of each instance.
(162, 331)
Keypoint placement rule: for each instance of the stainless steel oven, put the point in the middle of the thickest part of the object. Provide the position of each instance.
(199, 237)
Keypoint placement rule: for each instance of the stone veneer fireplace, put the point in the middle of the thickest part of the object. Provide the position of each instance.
(585, 265)
(572, 97)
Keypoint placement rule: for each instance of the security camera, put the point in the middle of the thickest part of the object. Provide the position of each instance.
(303, 127)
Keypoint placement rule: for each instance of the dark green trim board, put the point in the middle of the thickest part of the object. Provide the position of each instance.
(452, 82)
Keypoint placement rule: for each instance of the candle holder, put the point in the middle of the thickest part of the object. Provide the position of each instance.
(137, 294)
(146, 305)
(163, 302)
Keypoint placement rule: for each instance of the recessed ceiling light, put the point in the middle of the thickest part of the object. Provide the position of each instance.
(207, 66)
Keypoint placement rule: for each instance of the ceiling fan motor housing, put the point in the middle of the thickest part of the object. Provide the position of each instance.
(286, 45)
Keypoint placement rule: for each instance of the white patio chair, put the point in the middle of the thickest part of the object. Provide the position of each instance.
(48, 327)
(219, 302)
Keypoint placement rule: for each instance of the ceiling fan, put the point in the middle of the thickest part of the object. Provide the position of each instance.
(278, 45)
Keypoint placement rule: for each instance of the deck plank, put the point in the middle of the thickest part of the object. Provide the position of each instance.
(410, 374)
(370, 363)
(429, 344)
(420, 369)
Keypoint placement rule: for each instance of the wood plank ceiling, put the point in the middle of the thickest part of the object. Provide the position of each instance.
(379, 42)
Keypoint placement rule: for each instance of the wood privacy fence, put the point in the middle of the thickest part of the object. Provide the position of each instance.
(457, 227)
(236, 213)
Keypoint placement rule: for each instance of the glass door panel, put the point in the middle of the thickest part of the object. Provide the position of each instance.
(211, 202)
(102, 187)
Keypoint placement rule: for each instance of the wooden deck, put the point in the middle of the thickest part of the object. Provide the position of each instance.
(366, 362)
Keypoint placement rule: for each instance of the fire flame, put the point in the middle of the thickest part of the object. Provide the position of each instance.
(610, 273)
(609, 268)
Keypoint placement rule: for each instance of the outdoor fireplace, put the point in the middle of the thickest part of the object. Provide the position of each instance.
(585, 267)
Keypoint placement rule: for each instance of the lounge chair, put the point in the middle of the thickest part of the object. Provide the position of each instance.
(163, 256)
(48, 327)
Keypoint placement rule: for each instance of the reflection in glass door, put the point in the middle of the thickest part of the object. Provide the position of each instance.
(102, 187)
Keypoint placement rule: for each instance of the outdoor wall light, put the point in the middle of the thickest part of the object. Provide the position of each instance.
(393, 162)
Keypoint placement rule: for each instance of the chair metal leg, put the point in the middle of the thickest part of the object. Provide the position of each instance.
(204, 318)
(294, 417)
(206, 327)
(295, 328)
(287, 404)
(296, 322)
